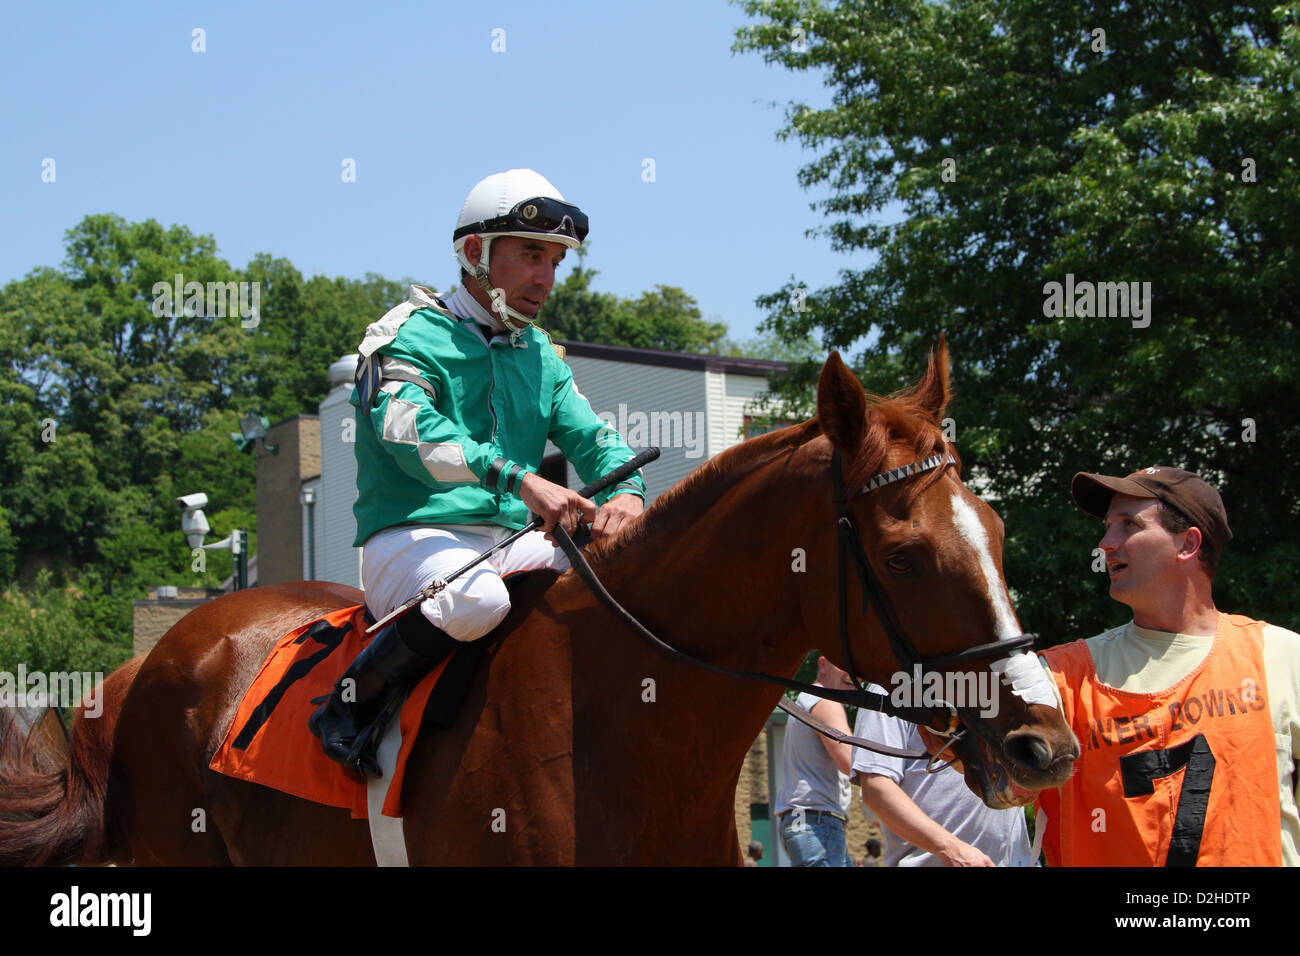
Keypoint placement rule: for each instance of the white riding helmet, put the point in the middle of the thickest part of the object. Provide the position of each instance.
(518, 202)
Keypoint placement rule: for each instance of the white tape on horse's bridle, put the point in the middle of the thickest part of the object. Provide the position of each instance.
(1023, 673)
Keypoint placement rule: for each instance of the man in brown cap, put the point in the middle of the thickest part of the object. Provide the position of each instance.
(1188, 718)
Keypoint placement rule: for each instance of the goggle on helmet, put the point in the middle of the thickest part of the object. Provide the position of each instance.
(538, 215)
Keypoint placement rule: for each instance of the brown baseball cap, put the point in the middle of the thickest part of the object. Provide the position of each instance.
(1181, 490)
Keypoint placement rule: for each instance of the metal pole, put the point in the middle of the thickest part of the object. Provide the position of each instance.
(239, 542)
(308, 498)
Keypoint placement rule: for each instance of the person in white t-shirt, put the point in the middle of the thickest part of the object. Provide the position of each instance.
(930, 819)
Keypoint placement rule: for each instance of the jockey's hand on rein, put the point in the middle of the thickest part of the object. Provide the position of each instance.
(614, 514)
(555, 504)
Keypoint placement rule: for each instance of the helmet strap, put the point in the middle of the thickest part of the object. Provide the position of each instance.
(513, 320)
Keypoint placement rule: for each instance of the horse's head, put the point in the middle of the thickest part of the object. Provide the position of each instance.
(934, 552)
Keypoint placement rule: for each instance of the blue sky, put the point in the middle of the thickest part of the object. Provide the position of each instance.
(246, 141)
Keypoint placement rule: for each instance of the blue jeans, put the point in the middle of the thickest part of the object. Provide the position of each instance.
(819, 841)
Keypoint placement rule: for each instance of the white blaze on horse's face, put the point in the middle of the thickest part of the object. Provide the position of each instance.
(967, 522)
(1021, 671)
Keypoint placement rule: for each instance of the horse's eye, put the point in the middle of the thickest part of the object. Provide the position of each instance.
(898, 564)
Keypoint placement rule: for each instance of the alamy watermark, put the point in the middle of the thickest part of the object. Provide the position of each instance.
(55, 689)
(1085, 300)
(931, 689)
(660, 428)
(76, 908)
(216, 300)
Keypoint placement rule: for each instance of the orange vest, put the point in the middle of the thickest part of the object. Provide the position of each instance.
(1184, 777)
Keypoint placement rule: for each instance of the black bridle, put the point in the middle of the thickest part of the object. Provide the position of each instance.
(873, 595)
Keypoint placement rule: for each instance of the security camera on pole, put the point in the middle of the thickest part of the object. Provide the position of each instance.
(195, 525)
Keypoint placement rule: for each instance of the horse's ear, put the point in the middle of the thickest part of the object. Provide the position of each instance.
(934, 391)
(841, 406)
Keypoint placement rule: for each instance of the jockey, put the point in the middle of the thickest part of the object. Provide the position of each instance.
(456, 400)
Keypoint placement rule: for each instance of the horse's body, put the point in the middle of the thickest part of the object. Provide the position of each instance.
(578, 744)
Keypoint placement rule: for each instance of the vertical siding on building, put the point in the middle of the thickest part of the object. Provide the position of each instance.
(667, 403)
(336, 526)
(716, 388)
(739, 393)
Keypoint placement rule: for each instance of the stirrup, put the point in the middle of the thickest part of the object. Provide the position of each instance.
(362, 759)
(383, 674)
(349, 742)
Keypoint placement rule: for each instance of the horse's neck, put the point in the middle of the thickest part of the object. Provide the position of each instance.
(724, 592)
(721, 586)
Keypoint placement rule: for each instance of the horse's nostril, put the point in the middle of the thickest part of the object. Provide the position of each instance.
(1029, 751)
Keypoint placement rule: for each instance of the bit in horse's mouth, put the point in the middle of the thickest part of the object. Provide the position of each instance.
(988, 772)
(998, 782)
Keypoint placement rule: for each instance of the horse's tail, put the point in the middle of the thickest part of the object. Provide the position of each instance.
(51, 801)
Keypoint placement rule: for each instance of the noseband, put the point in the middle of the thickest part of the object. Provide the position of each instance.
(873, 595)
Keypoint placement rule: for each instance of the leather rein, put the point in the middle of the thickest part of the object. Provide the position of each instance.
(873, 595)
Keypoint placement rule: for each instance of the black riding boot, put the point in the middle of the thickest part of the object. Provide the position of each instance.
(378, 680)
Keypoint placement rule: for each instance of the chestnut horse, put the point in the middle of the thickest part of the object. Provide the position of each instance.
(578, 743)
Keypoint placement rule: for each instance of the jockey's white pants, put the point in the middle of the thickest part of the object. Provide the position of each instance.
(398, 563)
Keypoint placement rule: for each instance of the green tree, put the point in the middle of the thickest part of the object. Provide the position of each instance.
(8, 549)
(306, 326)
(111, 400)
(578, 313)
(770, 346)
(1030, 140)
(50, 628)
(664, 318)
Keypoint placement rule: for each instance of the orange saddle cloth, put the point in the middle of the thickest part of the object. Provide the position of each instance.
(268, 742)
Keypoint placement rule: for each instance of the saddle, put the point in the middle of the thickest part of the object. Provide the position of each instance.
(268, 742)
